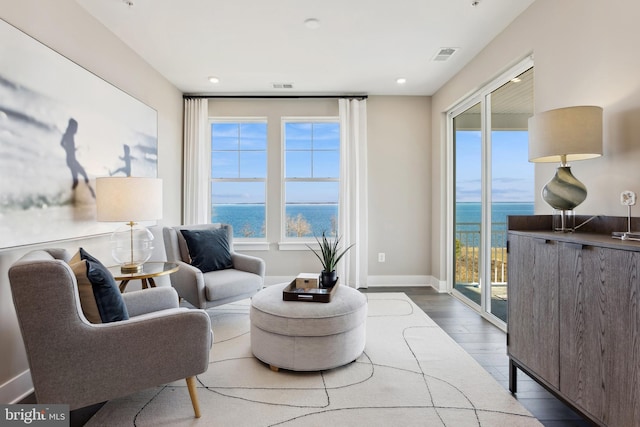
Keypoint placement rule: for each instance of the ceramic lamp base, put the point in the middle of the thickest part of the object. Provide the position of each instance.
(564, 192)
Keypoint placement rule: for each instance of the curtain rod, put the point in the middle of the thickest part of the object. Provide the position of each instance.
(186, 96)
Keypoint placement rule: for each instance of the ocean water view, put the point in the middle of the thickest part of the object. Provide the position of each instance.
(469, 216)
(248, 220)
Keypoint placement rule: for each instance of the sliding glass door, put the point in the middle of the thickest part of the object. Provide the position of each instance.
(467, 140)
(492, 179)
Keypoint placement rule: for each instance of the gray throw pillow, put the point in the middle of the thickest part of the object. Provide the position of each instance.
(209, 249)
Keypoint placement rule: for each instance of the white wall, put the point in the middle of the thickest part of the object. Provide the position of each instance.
(585, 53)
(66, 28)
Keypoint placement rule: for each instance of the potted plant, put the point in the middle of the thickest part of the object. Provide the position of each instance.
(329, 255)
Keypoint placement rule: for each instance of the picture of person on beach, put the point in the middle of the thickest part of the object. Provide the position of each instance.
(69, 145)
(126, 169)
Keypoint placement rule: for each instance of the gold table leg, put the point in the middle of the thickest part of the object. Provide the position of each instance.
(123, 286)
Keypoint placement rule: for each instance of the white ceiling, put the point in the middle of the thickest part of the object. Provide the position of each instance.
(360, 47)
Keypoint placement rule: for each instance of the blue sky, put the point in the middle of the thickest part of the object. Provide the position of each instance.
(227, 139)
(250, 162)
(512, 174)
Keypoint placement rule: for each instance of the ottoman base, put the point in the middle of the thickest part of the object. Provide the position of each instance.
(307, 353)
(308, 336)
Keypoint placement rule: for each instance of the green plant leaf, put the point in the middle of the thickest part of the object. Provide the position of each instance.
(329, 254)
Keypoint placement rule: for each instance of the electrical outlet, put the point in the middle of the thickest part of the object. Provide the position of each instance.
(628, 198)
(381, 257)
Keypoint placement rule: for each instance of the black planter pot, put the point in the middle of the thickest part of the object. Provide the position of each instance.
(328, 279)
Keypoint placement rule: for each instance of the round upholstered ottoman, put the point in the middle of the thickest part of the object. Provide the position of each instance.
(308, 336)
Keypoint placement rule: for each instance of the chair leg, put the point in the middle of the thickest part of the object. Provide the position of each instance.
(193, 394)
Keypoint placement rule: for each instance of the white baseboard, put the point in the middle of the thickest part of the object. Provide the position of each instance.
(397, 281)
(439, 285)
(378, 281)
(17, 388)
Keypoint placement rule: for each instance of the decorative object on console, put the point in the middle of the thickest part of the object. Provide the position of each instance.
(129, 200)
(329, 256)
(563, 135)
(628, 199)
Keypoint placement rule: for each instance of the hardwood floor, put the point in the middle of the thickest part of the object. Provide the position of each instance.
(487, 344)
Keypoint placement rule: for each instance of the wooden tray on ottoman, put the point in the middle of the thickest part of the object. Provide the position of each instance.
(291, 293)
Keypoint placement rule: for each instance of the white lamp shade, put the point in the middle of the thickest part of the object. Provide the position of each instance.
(574, 133)
(124, 199)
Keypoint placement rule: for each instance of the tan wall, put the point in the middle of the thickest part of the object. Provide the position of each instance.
(400, 208)
(65, 27)
(399, 201)
(584, 54)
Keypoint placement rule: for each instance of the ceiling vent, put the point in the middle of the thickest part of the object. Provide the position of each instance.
(444, 53)
(283, 85)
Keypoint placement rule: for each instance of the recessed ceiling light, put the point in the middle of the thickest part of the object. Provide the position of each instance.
(516, 79)
(312, 23)
(401, 80)
(214, 80)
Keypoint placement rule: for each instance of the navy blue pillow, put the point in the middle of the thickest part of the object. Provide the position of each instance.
(108, 298)
(209, 249)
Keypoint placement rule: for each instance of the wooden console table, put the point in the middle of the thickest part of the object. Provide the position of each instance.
(574, 314)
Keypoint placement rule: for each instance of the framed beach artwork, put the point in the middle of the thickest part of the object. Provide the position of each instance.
(61, 127)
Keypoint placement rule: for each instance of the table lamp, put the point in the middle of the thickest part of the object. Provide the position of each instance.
(129, 199)
(564, 135)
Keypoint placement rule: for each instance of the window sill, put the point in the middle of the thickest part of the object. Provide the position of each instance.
(250, 246)
(296, 246)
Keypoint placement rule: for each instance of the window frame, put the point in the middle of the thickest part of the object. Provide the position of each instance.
(300, 243)
(245, 243)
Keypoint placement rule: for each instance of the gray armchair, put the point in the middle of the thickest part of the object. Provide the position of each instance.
(78, 363)
(203, 290)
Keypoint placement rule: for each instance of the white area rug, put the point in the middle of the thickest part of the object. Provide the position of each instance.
(411, 374)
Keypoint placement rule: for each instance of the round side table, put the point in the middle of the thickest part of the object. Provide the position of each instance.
(149, 271)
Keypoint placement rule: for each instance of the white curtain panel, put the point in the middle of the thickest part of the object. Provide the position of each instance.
(196, 163)
(352, 221)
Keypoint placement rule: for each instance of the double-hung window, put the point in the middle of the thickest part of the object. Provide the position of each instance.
(311, 176)
(238, 175)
